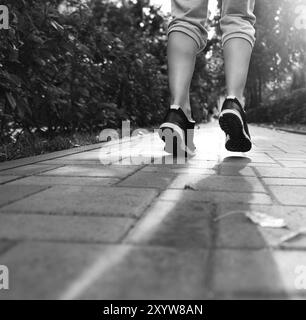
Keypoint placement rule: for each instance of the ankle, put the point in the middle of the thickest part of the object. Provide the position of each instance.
(186, 109)
(241, 99)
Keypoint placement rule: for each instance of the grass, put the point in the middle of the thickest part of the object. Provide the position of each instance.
(32, 145)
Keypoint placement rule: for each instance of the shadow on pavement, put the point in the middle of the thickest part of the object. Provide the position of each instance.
(179, 250)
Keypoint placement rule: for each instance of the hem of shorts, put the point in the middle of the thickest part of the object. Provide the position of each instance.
(201, 44)
(238, 35)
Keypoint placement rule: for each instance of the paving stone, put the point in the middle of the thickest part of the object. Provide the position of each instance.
(216, 197)
(5, 245)
(83, 200)
(294, 164)
(44, 270)
(4, 179)
(217, 183)
(290, 195)
(280, 155)
(72, 181)
(290, 157)
(62, 228)
(165, 254)
(237, 231)
(263, 165)
(247, 273)
(10, 193)
(243, 162)
(148, 180)
(178, 170)
(175, 224)
(279, 172)
(284, 182)
(153, 273)
(156, 273)
(28, 170)
(226, 170)
(93, 171)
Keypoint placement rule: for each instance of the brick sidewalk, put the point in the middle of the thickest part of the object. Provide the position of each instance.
(71, 227)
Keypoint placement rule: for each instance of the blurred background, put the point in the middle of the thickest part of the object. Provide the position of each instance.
(69, 69)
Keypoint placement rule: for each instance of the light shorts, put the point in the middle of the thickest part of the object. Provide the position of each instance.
(237, 21)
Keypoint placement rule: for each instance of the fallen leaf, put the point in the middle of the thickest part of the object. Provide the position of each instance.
(261, 219)
(189, 187)
(228, 214)
(265, 220)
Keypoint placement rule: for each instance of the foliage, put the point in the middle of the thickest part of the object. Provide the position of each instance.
(278, 62)
(288, 110)
(80, 69)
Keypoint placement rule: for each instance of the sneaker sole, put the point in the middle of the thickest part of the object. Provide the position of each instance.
(174, 138)
(231, 123)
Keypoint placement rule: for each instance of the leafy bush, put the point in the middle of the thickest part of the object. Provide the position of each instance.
(288, 110)
(82, 69)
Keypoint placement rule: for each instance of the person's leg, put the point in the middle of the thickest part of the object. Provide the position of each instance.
(237, 55)
(186, 37)
(182, 51)
(237, 25)
(238, 38)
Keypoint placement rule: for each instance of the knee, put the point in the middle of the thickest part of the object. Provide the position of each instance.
(190, 17)
(195, 31)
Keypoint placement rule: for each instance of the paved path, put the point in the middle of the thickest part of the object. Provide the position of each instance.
(74, 226)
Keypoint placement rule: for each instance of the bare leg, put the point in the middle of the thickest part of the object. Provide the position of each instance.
(237, 55)
(182, 51)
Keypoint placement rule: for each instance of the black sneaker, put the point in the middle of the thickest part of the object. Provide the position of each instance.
(233, 122)
(178, 132)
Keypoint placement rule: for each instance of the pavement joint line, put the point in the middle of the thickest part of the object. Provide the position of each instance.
(191, 191)
(12, 244)
(63, 241)
(129, 175)
(232, 202)
(15, 179)
(146, 220)
(74, 176)
(210, 263)
(35, 173)
(22, 198)
(279, 148)
(56, 214)
(267, 188)
(219, 190)
(277, 161)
